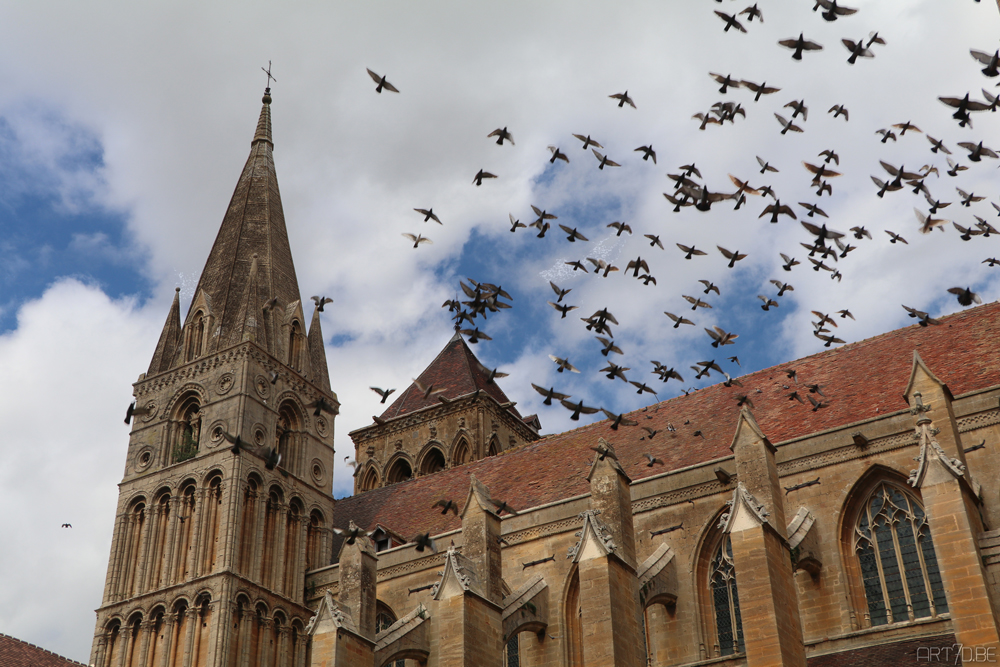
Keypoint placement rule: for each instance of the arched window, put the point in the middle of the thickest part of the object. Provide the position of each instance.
(134, 641)
(199, 653)
(399, 472)
(294, 344)
(286, 435)
(195, 337)
(240, 632)
(384, 618)
(113, 644)
(461, 455)
(248, 529)
(158, 554)
(292, 582)
(185, 534)
(432, 462)
(314, 537)
(726, 600)
(494, 447)
(896, 557)
(187, 429)
(177, 640)
(369, 480)
(135, 542)
(512, 652)
(574, 622)
(213, 515)
(156, 638)
(272, 518)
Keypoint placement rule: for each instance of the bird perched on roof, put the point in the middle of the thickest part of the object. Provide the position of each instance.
(623, 99)
(799, 45)
(647, 152)
(603, 160)
(382, 83)
(787, 124)
(501, 134)
(966, 296)
(731, 22)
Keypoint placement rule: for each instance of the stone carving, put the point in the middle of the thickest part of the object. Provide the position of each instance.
(742, 498)
(929, 447)
(594, 529)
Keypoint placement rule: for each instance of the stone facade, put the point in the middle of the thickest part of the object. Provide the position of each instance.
(863, 531)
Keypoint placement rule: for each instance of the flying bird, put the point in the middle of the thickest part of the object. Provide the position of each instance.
(833, 10)
(857, 49)
(384, 393)
(731, 22)
(587, 141)
(799, 45)
(839, 110)
(759, 89)
(558, 155)
(787, 124)
(733, 257)
(320, 302)
(577, 409)
(501, 134)
(647, 152)
(966, 296)
(382, 83)
(480, 175)
(623, 99)
(549, 394)
(678, 321)
(514, 224)
(604, 161)
(563, 365)
(418, 239)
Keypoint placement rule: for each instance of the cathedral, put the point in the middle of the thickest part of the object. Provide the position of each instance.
(736, 525)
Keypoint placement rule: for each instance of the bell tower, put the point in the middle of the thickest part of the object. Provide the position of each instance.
(225, 499)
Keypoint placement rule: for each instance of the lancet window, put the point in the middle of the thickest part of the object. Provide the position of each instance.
(726, 600)
(895, 553)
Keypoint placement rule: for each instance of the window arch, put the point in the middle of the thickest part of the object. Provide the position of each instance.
(494, 447)
(134, 545)
(294, 344)
(287, 434)
(384, 618)
(196, 336)
(400, 471)
(369, 480)
(248, 529)
(574, 621)
(461, 454)
(213, 515)
(185, 533)
(432, 461)
(186, 428)
(314, 537)
(158, 555)
(895, 557)
(725, 599)
(273, 511)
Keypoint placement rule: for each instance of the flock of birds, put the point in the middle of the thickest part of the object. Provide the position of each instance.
(824, 249)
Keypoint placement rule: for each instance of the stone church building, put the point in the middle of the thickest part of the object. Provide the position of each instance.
(861, 529)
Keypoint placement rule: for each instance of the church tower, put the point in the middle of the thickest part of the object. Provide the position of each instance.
(225, 501)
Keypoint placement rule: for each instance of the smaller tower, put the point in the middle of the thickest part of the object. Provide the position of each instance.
(454, 413)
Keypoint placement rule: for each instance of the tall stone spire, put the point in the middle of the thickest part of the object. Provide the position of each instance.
(166, 347)
(253, 226)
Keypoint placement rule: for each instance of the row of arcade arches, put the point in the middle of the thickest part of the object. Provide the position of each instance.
(433, 458)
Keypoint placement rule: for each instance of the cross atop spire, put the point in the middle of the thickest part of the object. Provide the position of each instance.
(269, 77)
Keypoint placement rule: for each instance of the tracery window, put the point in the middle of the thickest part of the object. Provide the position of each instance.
(512, 652)
(726, 600)
(895, 552)
(384, 619)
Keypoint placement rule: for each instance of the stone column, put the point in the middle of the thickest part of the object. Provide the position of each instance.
(171, 547)
(605, 557)
(950, 499)
(278, 546)
(755, 523)
(192, 614)
(125, 636)
(194, 551)
(468, 630)
(168, 637)
(146, 629)
(256, 574)
(100, 647)
(112, 586)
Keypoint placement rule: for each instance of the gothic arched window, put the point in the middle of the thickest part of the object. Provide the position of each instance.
(726, 600)
(369, 480)
(433, 462)
(187, 429)
(460, 455)
(399, 472)
(383, 619)
(895, 553)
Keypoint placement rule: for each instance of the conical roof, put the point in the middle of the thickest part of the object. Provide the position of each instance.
(253, 226)
(166, 347)
(455, 372)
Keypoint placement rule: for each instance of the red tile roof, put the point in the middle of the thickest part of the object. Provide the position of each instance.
(860, 381)
(16, 653)
(457, 372)
(940, 649)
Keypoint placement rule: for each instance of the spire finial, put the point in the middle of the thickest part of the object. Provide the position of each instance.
(267, 90)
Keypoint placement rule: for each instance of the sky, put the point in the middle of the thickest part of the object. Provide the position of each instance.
(124, 127)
